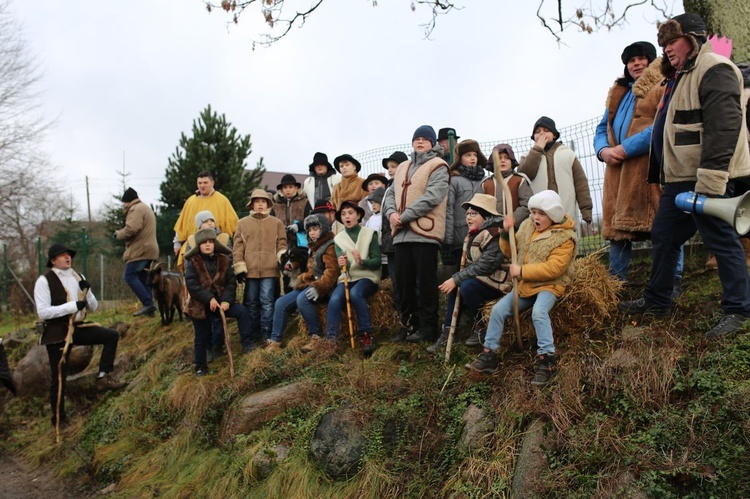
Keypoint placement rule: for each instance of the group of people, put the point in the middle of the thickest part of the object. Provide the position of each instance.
(671, 125)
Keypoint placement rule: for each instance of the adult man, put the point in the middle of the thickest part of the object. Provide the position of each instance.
(699, 143)
(415, 207)
(205, 198)
(62, 296)
(141, 248)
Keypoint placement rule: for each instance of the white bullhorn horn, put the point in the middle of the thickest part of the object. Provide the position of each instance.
(734, 211)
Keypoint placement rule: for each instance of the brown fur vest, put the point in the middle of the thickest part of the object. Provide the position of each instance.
(216, 283)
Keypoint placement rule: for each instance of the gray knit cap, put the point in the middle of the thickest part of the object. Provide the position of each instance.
(202, 216)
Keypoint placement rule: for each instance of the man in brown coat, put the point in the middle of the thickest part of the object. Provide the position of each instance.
(141, 248)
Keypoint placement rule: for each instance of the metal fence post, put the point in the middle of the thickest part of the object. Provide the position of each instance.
(101, 277)
(5, 278)
(39, 254)
(83, 248)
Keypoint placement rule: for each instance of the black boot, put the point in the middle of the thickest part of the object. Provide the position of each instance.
(477, 336)
(441, 341)
(485, 364)
(404, 330)
(422, 335)
(546, 366)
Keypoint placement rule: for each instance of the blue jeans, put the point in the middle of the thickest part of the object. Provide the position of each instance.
(359, 291)
(474, 294)
(620, 253)
(203, 331)
(259, 300)
(542, 303)
(284, 307)
(672, 228)
(137, 278)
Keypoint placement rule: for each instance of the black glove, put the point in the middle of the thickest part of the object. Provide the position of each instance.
(84, 284)
(241, 277)
(81, 304)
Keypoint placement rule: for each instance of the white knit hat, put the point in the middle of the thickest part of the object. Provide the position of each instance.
(550, 203)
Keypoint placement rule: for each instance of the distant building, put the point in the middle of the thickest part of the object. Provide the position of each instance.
(271, 179)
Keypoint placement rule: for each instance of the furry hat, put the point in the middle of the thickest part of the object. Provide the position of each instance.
(320, 159)
(550, 203)
(371, 177)
(637, 49)
(691, 26)
(426, 132)
(259, 194)
(507, 149)
(346, 157)
(465, 146)
(398, 156)
(485, 204)
(202, 216)
(129, 195)
(350, 204)
(58, 249)
(546, 123)
(201, 237)
(319, 221)
(377, 195)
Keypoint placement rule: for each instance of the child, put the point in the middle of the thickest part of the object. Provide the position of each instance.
(350, 186)
(518, 183)
(259, 242)
(358, 250)
(386, 238)
(211, 283)
(205, 220)
(391, 163)
(546, 248)
(373, 182)
(481, 279)
(376, 224)
(552, 165)
(312, 286)
(290, 205)
(467, 175)
(323, 178)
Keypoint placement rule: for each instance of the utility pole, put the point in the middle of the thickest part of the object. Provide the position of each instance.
(88, 198)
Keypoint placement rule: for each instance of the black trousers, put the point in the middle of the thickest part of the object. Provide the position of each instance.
(416, 279)
(91, 335)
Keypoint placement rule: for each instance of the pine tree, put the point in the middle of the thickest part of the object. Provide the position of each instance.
(215, 146)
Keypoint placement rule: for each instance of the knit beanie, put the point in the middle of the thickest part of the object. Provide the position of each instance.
(202, 216)
(548, 123)
(129, 195)
(319, 220)
(637, 49)
(426, 132)
(550, 203)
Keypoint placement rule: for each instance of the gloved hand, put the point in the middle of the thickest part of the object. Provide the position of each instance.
(81, 304)
(312, 294)
(114, 235)
(292, 228)
(84, 284)
(241, 277)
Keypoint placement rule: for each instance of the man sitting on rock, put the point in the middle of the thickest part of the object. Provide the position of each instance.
(62, 297)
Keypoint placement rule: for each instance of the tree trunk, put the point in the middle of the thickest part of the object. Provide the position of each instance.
(728, 18)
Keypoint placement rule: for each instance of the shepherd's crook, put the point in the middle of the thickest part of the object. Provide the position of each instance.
(66, 347)
(454, 317)
(227, 341)
(348, 304)
(508, 209)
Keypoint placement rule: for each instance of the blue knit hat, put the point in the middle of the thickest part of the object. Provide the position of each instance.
(426, 132)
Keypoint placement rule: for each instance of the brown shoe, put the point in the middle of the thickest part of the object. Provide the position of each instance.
(312, 344)
(272, 346)
(711, 262)
(108, 384)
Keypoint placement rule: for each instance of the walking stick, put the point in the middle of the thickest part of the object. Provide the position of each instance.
(457, 304)
(227, 341)
(508, 209)
(66, 347)
(348, 304)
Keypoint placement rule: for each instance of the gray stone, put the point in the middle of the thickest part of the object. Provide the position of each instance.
(31, 374)
(254, 410)
(338, 445)
(531, 463)
(265, 460)
(18, 338)
(477, 428)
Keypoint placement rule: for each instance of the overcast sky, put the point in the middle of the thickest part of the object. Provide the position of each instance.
(131, 76)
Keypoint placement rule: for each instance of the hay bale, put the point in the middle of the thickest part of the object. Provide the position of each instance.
(383, 313)
(586, 305)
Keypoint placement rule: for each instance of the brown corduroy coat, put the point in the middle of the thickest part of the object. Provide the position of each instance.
(627, 212)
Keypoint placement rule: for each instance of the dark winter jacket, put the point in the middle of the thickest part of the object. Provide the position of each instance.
(207, 277)
(322, 267)
(290, 211)
(483, 256)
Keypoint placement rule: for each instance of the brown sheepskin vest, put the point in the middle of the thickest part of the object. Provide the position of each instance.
(216, 283)
(407, 190)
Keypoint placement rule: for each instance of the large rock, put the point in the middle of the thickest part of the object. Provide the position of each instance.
(265, 460)
(31, 374)
(477, 427)
(259, 408)
(338, 445)
(19, 338)
(531, 463)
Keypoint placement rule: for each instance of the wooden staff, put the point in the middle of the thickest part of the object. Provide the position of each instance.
(454, 317)
(348, 304)
(508, 210)
(227, 341)
(66, 348)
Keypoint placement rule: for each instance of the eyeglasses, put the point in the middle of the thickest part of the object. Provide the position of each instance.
(471, 214)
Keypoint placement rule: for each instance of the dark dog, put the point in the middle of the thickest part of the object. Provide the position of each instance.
(167, 291)
(293, 263)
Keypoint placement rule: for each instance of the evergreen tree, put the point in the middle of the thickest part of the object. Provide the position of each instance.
(217, 147)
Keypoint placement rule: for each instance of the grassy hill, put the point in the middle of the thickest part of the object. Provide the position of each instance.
(641, 408)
